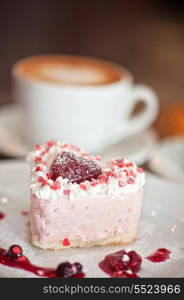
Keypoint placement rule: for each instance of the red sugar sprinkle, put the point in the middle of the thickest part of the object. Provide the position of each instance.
(94, 183)
(55, 186)
(129, 164)
(48, 175)
(139, 170)
(42, 180)
(37, 147)
(118, 161)
(38, 169)
(126, 172)
(65, 145)
(66, 242)
(67, 192)
(50, 143)
(38, 159)
(98, 158)
(104, 178)
(83, 187)
(131, 181)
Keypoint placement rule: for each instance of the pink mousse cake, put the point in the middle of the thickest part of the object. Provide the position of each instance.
(79, 200)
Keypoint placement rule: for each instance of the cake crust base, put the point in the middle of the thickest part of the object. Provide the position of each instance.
(116, 240)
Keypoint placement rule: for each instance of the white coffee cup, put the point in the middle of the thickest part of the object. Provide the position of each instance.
(91, 110)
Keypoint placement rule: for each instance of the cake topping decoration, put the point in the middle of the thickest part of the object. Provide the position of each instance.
(61, 169)
(15, 258)
(159, 255)
(76, 169)
(122, 264)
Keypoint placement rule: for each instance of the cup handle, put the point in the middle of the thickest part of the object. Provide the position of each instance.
(140, 93)
(143, 93)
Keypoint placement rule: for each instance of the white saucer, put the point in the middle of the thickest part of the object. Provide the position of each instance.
(161, 226)
(136, 148)
(168, 158)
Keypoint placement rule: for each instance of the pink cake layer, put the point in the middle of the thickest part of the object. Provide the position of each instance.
(88, 218)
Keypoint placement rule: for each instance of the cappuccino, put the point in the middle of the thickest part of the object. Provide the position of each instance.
(69, 70)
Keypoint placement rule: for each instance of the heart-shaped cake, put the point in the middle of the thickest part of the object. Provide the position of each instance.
(79, 200)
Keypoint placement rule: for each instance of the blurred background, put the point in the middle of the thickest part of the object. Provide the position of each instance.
(147, 37)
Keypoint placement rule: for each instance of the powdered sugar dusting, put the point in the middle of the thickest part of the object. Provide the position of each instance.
(74, 168)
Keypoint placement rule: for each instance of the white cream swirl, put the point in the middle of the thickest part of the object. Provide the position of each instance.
(126, 177)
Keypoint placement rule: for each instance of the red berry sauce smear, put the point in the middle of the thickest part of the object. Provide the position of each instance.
(14, 258)
(122, 264)
(160, 255)
(74, 168)
(2, 215)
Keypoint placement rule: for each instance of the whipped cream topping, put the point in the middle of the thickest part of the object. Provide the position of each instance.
(119, 176)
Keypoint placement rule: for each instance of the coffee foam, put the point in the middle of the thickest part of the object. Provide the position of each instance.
(69, 70)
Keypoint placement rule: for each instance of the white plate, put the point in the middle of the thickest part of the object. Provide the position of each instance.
(161, 226)
(136, 148)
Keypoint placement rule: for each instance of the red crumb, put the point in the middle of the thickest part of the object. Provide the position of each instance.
(42, 180)
(66, 242)
(50, 143)
(55, 186)
(37, 147)
(94, 183)
(83, 187)
(24, 212)
(38, 159)
(38, 169)
(129, 164)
